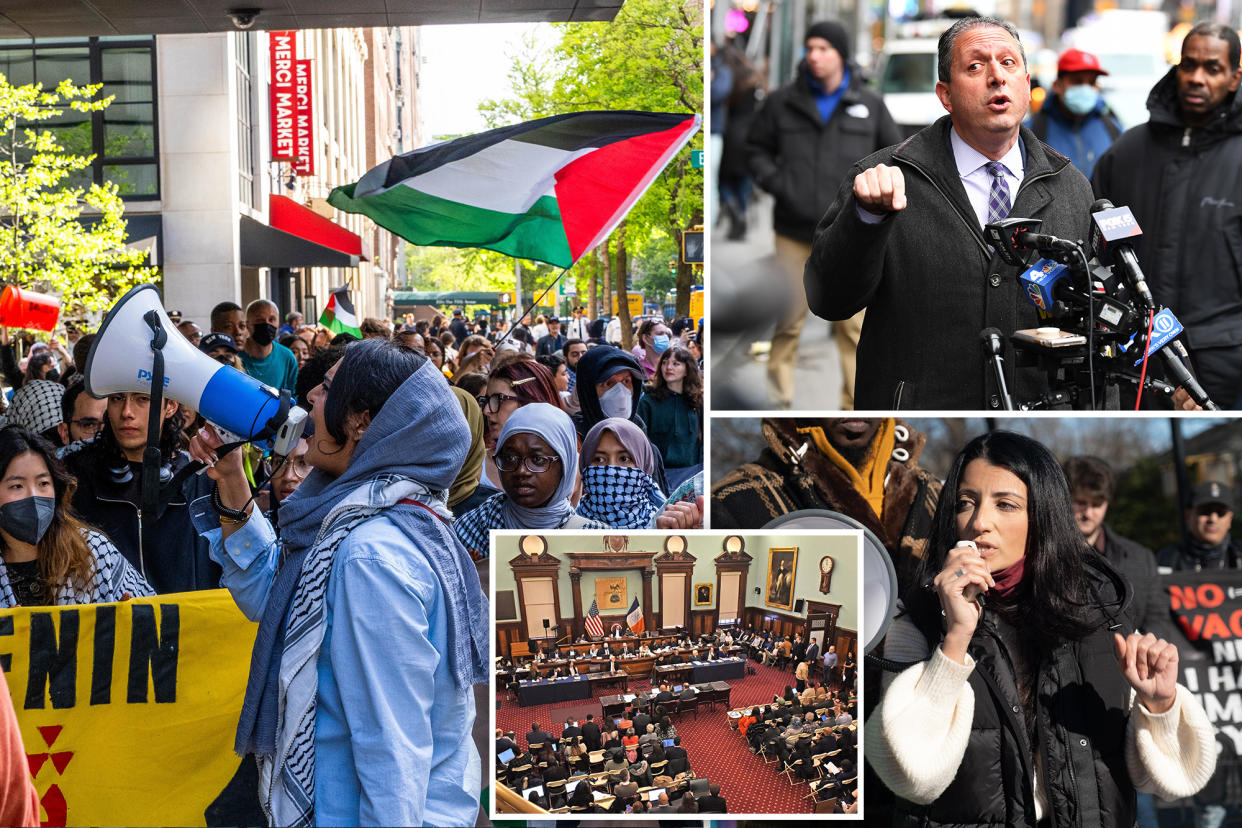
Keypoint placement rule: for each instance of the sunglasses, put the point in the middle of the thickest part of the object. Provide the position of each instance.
(1214, 509)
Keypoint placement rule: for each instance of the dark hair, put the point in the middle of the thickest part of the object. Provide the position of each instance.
(342, 339)
(82, 350)
(63, 553)
(691, 386)
(572, 341)
(312, 373)
(472, 382)
(172, 435)
(1218, 30)
(221, 309)
(552, 362)
(944, 51)
(1089, 476)
(1048, 606)
(36, 362)
(530, 382)
(70, 398)
(371, 371)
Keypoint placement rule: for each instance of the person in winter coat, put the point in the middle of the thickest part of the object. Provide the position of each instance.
(801, 145)
(1027, 707)
(1075, 120)
(1178, 174)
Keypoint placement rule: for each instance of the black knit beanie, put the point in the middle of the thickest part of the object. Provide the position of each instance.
(834, 33)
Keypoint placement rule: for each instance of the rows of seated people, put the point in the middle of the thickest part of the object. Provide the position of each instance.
(632, 764)
(810, 737)
(596, 656)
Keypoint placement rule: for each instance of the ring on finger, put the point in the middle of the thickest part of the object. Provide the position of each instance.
(959, 572)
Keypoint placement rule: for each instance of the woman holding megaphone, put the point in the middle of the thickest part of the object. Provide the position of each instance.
(1031, 699)
(50, 557)
(372, 623)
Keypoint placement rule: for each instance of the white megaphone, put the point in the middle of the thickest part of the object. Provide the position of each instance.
(121, 361)
(879, 598)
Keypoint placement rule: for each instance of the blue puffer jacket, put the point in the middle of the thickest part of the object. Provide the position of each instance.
(1080, 139)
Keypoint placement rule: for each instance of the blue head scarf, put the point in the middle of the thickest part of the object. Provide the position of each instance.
(553, 425)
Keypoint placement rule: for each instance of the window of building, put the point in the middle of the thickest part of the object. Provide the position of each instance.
(246, 138)
(123, 138)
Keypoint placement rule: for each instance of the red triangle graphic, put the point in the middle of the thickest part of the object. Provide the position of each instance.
(61, 760)
(36, 761)
(50, 733)
(591, 189)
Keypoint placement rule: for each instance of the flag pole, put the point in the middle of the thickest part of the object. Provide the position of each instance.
(535, 303)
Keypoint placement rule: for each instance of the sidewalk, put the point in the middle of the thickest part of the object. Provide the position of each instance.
(741, 272)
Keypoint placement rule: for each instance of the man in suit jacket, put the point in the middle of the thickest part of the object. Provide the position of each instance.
(641, 720)
(713, 803)
(571, 730)
(676, 751)
(590, 733)
(571, 653)
(688, 694)
(812, 652)
(504, 741)
(538, 735)
(665, 695)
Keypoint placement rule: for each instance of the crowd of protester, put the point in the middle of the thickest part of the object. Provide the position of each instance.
(565, 430)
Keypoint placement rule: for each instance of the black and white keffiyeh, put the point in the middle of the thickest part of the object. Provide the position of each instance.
(112, 578)
(620, 496)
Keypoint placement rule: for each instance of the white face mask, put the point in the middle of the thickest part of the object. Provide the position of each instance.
(616, 401)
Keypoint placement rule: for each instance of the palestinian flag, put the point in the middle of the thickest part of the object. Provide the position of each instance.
(547, 190)
(339, 316)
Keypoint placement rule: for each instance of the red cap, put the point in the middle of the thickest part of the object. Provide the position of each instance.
(1076, 60)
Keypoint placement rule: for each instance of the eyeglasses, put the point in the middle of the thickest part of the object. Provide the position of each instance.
(491, 403)
(1216, 510)
(89, 424)
(298, 467)
(535, 464)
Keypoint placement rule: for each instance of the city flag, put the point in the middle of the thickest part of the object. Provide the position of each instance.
(594, 626)
(635, 618)
(339, 316)
(547, 190)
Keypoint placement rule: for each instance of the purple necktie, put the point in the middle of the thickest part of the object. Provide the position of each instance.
(998, 195)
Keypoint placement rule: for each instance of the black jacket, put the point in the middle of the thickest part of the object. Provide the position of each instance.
(1187, 557)
(801, 160)
(1150, 607)
(928, 279)
(1081, 712)
(170, 554)
(1182, 185)
(591, 735)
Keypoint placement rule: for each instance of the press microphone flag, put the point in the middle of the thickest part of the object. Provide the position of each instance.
(121, 361)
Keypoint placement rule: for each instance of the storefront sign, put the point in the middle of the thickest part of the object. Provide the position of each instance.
(283, 59)
(304, 135)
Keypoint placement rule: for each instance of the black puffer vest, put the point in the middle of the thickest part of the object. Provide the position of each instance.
(1082, 708)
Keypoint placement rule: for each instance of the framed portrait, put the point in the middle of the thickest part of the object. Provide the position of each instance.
(703, 594)
(782, 564)
(611, 594)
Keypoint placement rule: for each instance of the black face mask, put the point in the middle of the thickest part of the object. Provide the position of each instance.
(28, 519)
(52, 376)
(263, 333)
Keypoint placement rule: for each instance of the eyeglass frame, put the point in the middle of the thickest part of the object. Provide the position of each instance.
(551, 458)
(274, 462)
(95, 424)
(485, 399)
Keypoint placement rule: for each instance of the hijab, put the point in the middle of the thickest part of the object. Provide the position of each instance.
(620, 496)
(554, 426)
(468, 478)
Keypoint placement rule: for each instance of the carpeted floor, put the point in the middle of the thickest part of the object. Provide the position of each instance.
(715, 750)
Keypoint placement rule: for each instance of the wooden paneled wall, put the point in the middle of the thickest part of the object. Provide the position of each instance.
(783, 624)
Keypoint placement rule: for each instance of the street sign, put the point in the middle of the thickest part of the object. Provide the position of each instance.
(696, 159)
(565, 289)
(696, 304)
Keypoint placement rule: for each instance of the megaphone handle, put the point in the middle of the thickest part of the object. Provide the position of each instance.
(151, 454)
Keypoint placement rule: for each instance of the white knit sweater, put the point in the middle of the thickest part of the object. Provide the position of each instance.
(916, 748)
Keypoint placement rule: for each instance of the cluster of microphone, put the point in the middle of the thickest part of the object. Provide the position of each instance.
(1100, 293)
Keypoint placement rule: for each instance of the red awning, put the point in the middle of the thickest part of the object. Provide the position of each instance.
(287, 215)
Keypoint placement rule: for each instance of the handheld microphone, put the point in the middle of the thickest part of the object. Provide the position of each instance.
(972, 592)
(1043, 283)
(1114, 232)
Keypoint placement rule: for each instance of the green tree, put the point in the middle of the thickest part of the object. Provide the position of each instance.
(56, 237)
(649, 58)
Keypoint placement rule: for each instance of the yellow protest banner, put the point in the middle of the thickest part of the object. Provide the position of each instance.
(128, 711)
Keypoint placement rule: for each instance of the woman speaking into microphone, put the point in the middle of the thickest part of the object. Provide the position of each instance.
(372, 623)
(1030, 699)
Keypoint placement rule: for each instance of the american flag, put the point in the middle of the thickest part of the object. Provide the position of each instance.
(594, 625)
(635, 618)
